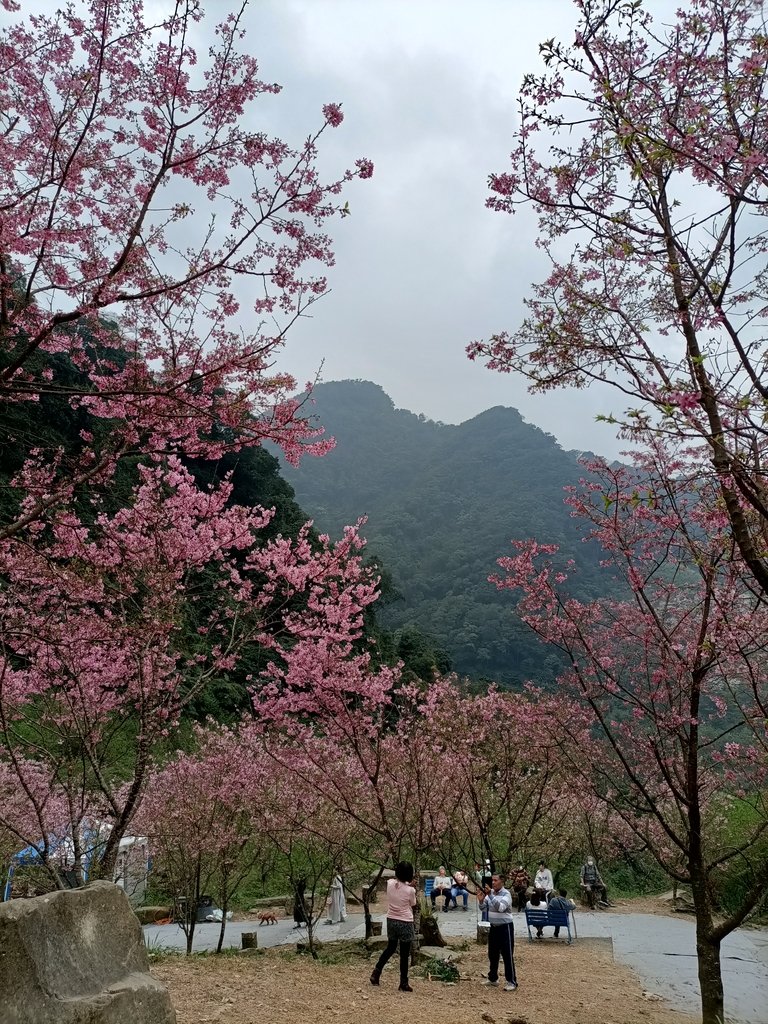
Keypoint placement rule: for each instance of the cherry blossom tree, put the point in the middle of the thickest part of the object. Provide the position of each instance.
(140, 199)
(642, 148)
(198, 817)
(136, 188)
(313, 840)
(672, 681)
(387, 782)
(510, 796)
(112, 624)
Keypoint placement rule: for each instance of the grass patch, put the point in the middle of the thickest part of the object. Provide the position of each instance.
(329, 954)
(157, 950)
(341, 953)
(158, 953)
(441, 970)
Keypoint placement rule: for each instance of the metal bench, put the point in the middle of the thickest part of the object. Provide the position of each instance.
(550, 919)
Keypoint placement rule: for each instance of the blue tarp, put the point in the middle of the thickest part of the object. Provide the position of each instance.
(61, 848)
(33, 855)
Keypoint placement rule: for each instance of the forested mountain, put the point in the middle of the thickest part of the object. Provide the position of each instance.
(53, 426)
(443, 503)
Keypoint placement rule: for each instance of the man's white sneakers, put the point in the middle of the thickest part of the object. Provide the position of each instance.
(509, 987)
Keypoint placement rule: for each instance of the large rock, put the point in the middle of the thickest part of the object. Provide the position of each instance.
(439, 953)
(680, 901)
(77, 957)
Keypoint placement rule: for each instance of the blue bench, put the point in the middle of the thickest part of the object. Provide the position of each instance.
(549, 919)
(429, 884)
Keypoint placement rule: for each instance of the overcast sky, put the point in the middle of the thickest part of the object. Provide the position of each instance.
(428, 89)
(428, 92)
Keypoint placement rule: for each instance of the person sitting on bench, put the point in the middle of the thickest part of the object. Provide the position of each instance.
(537, 903)
(459, 886)
(561, 902)
(441, 887)
(591, 881)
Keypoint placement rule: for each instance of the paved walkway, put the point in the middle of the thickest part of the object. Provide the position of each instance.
(661, 950)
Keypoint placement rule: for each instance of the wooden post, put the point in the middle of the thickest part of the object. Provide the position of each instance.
(250, 940)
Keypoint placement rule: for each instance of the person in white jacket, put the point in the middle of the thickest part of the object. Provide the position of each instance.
(543, 883)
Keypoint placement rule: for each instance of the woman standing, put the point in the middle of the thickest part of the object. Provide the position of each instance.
(299, 906)
(338, 903)
(401, 899)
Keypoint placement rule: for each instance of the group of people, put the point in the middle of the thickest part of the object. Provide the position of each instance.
(556, 900)
(450, 888)
(520, 883)
(493, 898)
(544, 886)
(496, 903)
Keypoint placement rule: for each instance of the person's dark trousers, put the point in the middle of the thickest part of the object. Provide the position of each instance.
(405, 962)
(405, 958)
(441, 892)
(598, 888)
(501, 942)
(521, 898)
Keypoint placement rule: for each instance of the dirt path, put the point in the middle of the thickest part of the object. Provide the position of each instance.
(558, 985)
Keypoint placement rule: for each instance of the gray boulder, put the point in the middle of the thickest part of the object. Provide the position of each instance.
(77, 957)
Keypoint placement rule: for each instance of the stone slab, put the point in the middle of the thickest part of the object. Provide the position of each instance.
(439, 953)
(151, 915)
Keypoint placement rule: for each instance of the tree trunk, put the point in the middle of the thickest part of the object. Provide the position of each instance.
(417, 921)
(710, 979)
(309, 916)
(366, 897)
(431, 932)
(192, 906)
(707, 948)
(224, 906)
(191, 931)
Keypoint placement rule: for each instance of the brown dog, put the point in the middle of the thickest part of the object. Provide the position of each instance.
(267, 917)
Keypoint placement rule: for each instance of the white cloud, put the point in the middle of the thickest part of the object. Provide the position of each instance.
(428, 91)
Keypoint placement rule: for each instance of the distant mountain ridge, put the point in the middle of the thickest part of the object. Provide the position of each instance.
(443, 503)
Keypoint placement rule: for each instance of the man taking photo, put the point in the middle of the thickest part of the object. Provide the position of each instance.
(501, 935)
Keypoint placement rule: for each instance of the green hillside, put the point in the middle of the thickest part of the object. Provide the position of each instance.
(443, 503)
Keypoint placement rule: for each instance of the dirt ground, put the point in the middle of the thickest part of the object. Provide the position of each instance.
(559, 984)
